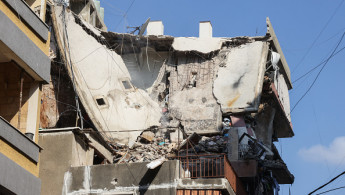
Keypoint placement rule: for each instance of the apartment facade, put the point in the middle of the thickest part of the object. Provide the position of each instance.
(24, 67)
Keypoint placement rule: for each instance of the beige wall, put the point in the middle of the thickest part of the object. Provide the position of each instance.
(62, 150)
(10, 95)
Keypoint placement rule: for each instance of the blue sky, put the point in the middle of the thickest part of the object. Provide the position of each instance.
(317, 151)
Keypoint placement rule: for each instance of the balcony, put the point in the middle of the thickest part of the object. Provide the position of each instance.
(19, 141)
(210, 166)
(25, 40)
(19, 161)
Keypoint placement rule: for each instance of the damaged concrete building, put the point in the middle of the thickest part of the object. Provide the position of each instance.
(156, 114)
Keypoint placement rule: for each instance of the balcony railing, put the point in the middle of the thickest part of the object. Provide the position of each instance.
(210, 166)
(202, 166)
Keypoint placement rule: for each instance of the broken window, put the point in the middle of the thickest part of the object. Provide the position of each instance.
(126, 84)
(100, 101)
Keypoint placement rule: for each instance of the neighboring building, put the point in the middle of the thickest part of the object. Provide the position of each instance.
(66, 148)
(178, 114)
(90, 11)
(24, 67)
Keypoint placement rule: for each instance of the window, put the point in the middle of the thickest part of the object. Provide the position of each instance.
(127, 84)
(100, 101)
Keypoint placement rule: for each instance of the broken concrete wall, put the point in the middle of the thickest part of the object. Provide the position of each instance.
(57, 97)
(99, 146)
(239, 83)
(125, 92)
(283, 93)
(133, 178)
(197, 100)
(144, 66)
(203, 45)
(104, 86)
(190, 92)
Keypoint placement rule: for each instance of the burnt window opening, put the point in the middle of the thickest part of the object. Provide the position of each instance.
(100, 101)
(127, 84)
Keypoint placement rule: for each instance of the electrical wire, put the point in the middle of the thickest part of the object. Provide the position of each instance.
(315, 67)
(66, 40)
(331, 190)
(125, 14)
(327, 183)
(317, 76)
(318, 36)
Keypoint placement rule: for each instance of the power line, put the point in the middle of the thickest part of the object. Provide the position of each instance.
(331, 190)
(318, 36)
(317, 76)
(68, 59)
(330, 181)
(311, 70)
(318, 44)
(124, 15)
(112, 6)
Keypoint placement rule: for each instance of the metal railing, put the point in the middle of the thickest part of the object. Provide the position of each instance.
(202, 166)
(210, 166)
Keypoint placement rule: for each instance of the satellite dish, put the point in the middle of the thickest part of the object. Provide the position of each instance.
(143, 27)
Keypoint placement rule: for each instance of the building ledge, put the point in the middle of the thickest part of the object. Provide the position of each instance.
(16, 179)
(26, 54)
(206, 184)
(276, 47)
(26, 14)
(17, 139)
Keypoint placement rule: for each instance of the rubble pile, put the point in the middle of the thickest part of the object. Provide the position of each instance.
(213, 144)
(152, 145)
(148, 147)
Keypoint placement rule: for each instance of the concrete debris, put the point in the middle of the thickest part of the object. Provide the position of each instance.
(132, 144)
(190, 141)
(147, 136)
(154, 146)
(214, 144)
(154, 164)
(176, 136)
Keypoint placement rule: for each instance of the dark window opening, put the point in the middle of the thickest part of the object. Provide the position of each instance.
(127, 84)
(100, 101)
(98, 159)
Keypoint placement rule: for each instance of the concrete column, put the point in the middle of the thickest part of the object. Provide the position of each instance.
(33, 109)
